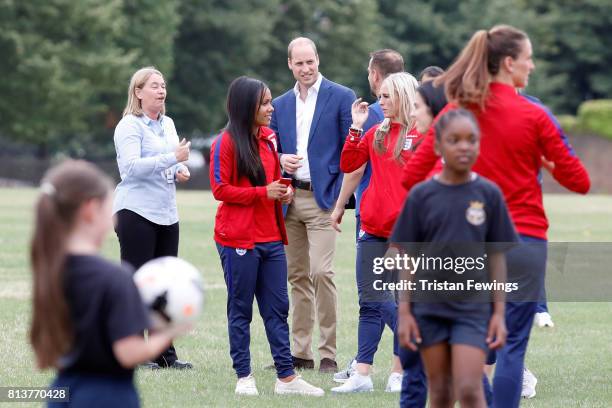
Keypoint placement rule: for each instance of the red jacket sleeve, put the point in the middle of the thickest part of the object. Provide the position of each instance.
(223, 175)
(356, 153)
(424, 159)
(569, 170)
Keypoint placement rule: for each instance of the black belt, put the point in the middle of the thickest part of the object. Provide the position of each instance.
(303, 185)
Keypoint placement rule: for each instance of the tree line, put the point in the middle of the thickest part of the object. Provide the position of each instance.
(66, 64)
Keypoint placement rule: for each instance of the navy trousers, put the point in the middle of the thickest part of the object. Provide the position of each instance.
(259, 273)
(373, 315)
(527, 262)
(414, 381)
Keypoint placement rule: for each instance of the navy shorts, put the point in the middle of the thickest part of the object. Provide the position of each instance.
(468, 330)
(96, 391)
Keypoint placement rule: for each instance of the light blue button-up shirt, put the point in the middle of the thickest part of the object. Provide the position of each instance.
(147, 166)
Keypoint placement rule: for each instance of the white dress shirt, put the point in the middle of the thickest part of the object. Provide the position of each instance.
(304, 112)
(147, 166)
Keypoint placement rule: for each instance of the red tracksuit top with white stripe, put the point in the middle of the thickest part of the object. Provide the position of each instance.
(245, 215)
(515, 133)
(383, 198)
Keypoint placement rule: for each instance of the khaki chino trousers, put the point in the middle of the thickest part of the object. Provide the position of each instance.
(310, 253)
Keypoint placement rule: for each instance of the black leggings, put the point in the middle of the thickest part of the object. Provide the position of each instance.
(140, 241)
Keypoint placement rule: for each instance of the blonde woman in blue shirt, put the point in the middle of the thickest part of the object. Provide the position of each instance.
(150, 159)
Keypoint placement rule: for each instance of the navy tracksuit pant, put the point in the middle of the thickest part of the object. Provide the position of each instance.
(259, 273)
(375, 310)
(527, 263)
(373, 316)
(414, 381)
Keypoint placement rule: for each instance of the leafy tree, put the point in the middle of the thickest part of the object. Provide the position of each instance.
(576, 47)
(66, 64)
(345, 32)
(425, 32)
(571, 40)
(148, 38)
(62, 55)
(152, 27)
(217, 42)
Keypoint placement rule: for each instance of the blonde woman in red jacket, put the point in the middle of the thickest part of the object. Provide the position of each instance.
(387, 147)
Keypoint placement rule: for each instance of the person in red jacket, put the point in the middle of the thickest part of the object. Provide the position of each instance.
(387, 147)
(516, 134)
(250, 233)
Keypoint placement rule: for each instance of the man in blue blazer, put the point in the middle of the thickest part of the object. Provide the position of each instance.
(311, 121)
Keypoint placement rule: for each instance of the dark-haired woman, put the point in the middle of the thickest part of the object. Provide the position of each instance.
(250, 233)
(87, 315)
(516, 133)
(430, 100)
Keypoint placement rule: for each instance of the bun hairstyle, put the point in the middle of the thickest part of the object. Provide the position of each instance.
(65, 188)
(467, 80)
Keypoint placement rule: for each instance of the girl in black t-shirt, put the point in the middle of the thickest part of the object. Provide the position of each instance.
(463, 211)
(87, 313)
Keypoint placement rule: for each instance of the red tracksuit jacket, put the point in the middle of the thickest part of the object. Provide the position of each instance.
(236, 225)
(515, 133)
(383, 199)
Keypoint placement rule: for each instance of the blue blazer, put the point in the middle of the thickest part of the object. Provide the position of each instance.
(330, 124)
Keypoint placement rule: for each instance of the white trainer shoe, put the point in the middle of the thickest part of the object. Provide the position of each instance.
(297, 386)
(529, 384)
(543, 319)
(246, 386)
(356, 383)
(394, 383)
(342, 376)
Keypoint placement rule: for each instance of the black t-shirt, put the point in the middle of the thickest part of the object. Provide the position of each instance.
(442, 221)
(105, 306)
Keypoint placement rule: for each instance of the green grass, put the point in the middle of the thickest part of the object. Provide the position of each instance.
(573, 361)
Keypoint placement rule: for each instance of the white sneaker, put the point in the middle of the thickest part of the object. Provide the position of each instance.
(529, 384)
(394, 383)
(356, 383)
(342, 376)
(297, 386)
(543, 320)
(246, 386)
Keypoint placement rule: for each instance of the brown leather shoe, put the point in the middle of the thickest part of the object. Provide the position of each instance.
(301, 364)
(328, 366)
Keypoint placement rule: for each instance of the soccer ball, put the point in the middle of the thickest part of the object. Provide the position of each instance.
(172, 290)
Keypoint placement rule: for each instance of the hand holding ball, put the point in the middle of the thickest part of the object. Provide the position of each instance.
(172, 290)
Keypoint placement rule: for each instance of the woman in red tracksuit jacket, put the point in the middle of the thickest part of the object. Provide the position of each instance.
(517, 134)
(250, 233)
(387, 146)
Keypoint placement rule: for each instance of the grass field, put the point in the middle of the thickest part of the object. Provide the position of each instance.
(573, 361)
